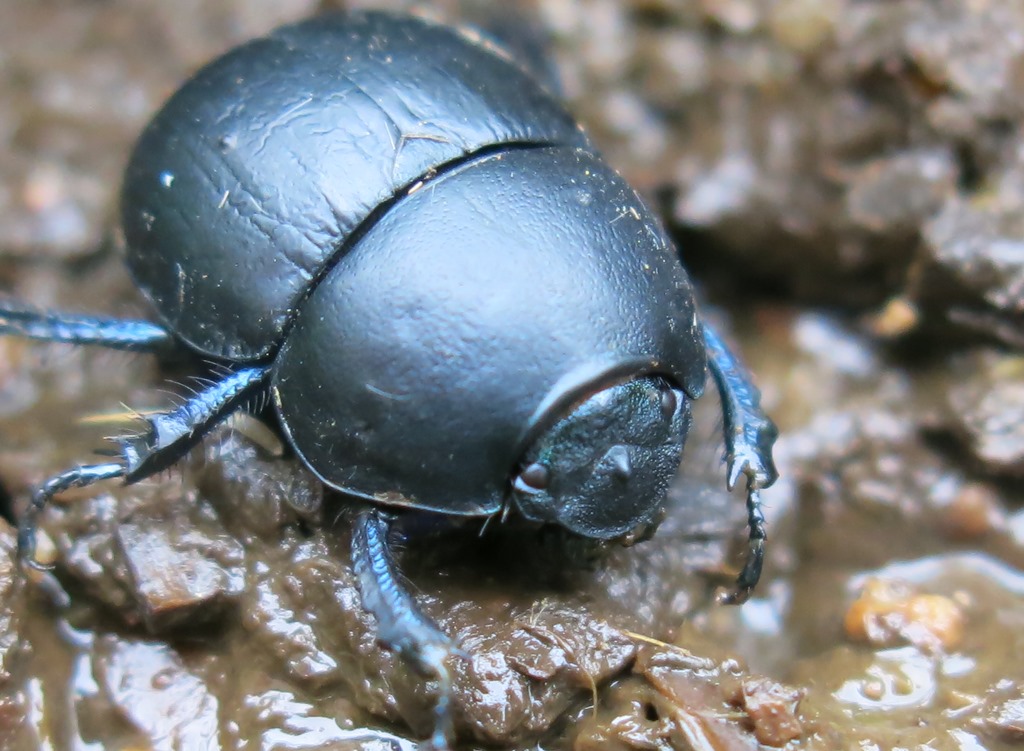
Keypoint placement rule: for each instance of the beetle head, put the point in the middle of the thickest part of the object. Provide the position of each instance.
(604, 470)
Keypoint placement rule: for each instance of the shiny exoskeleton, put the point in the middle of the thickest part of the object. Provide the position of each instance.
(456, 306)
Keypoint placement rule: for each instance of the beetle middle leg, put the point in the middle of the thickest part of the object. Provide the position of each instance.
(749, 437)
(165, 440)
(400, 624)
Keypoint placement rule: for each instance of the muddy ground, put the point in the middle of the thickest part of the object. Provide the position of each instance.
(846, 181)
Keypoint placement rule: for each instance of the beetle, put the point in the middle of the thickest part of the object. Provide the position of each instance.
(391, 229)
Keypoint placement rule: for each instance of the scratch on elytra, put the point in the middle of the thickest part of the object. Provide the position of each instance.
(404, 138)
(181, 285)
(386, 394)
(626, 211)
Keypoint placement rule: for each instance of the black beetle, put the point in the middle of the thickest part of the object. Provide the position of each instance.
(455, 304)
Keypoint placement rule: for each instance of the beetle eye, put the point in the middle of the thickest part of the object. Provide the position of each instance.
(669, 402)
(533, 478)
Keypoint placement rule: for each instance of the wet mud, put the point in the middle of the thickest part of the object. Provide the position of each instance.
(846, 181)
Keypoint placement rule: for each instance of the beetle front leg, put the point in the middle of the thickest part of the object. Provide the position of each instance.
(400, 624)
(749, 437)
(167, 437)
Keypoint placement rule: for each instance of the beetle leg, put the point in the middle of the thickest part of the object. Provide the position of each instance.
(170, 435)
(138, 336)
(400, 624)
(79, 477)
(167, 438)
(749, 437)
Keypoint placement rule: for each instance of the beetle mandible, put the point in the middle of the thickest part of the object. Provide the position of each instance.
(390, 228)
